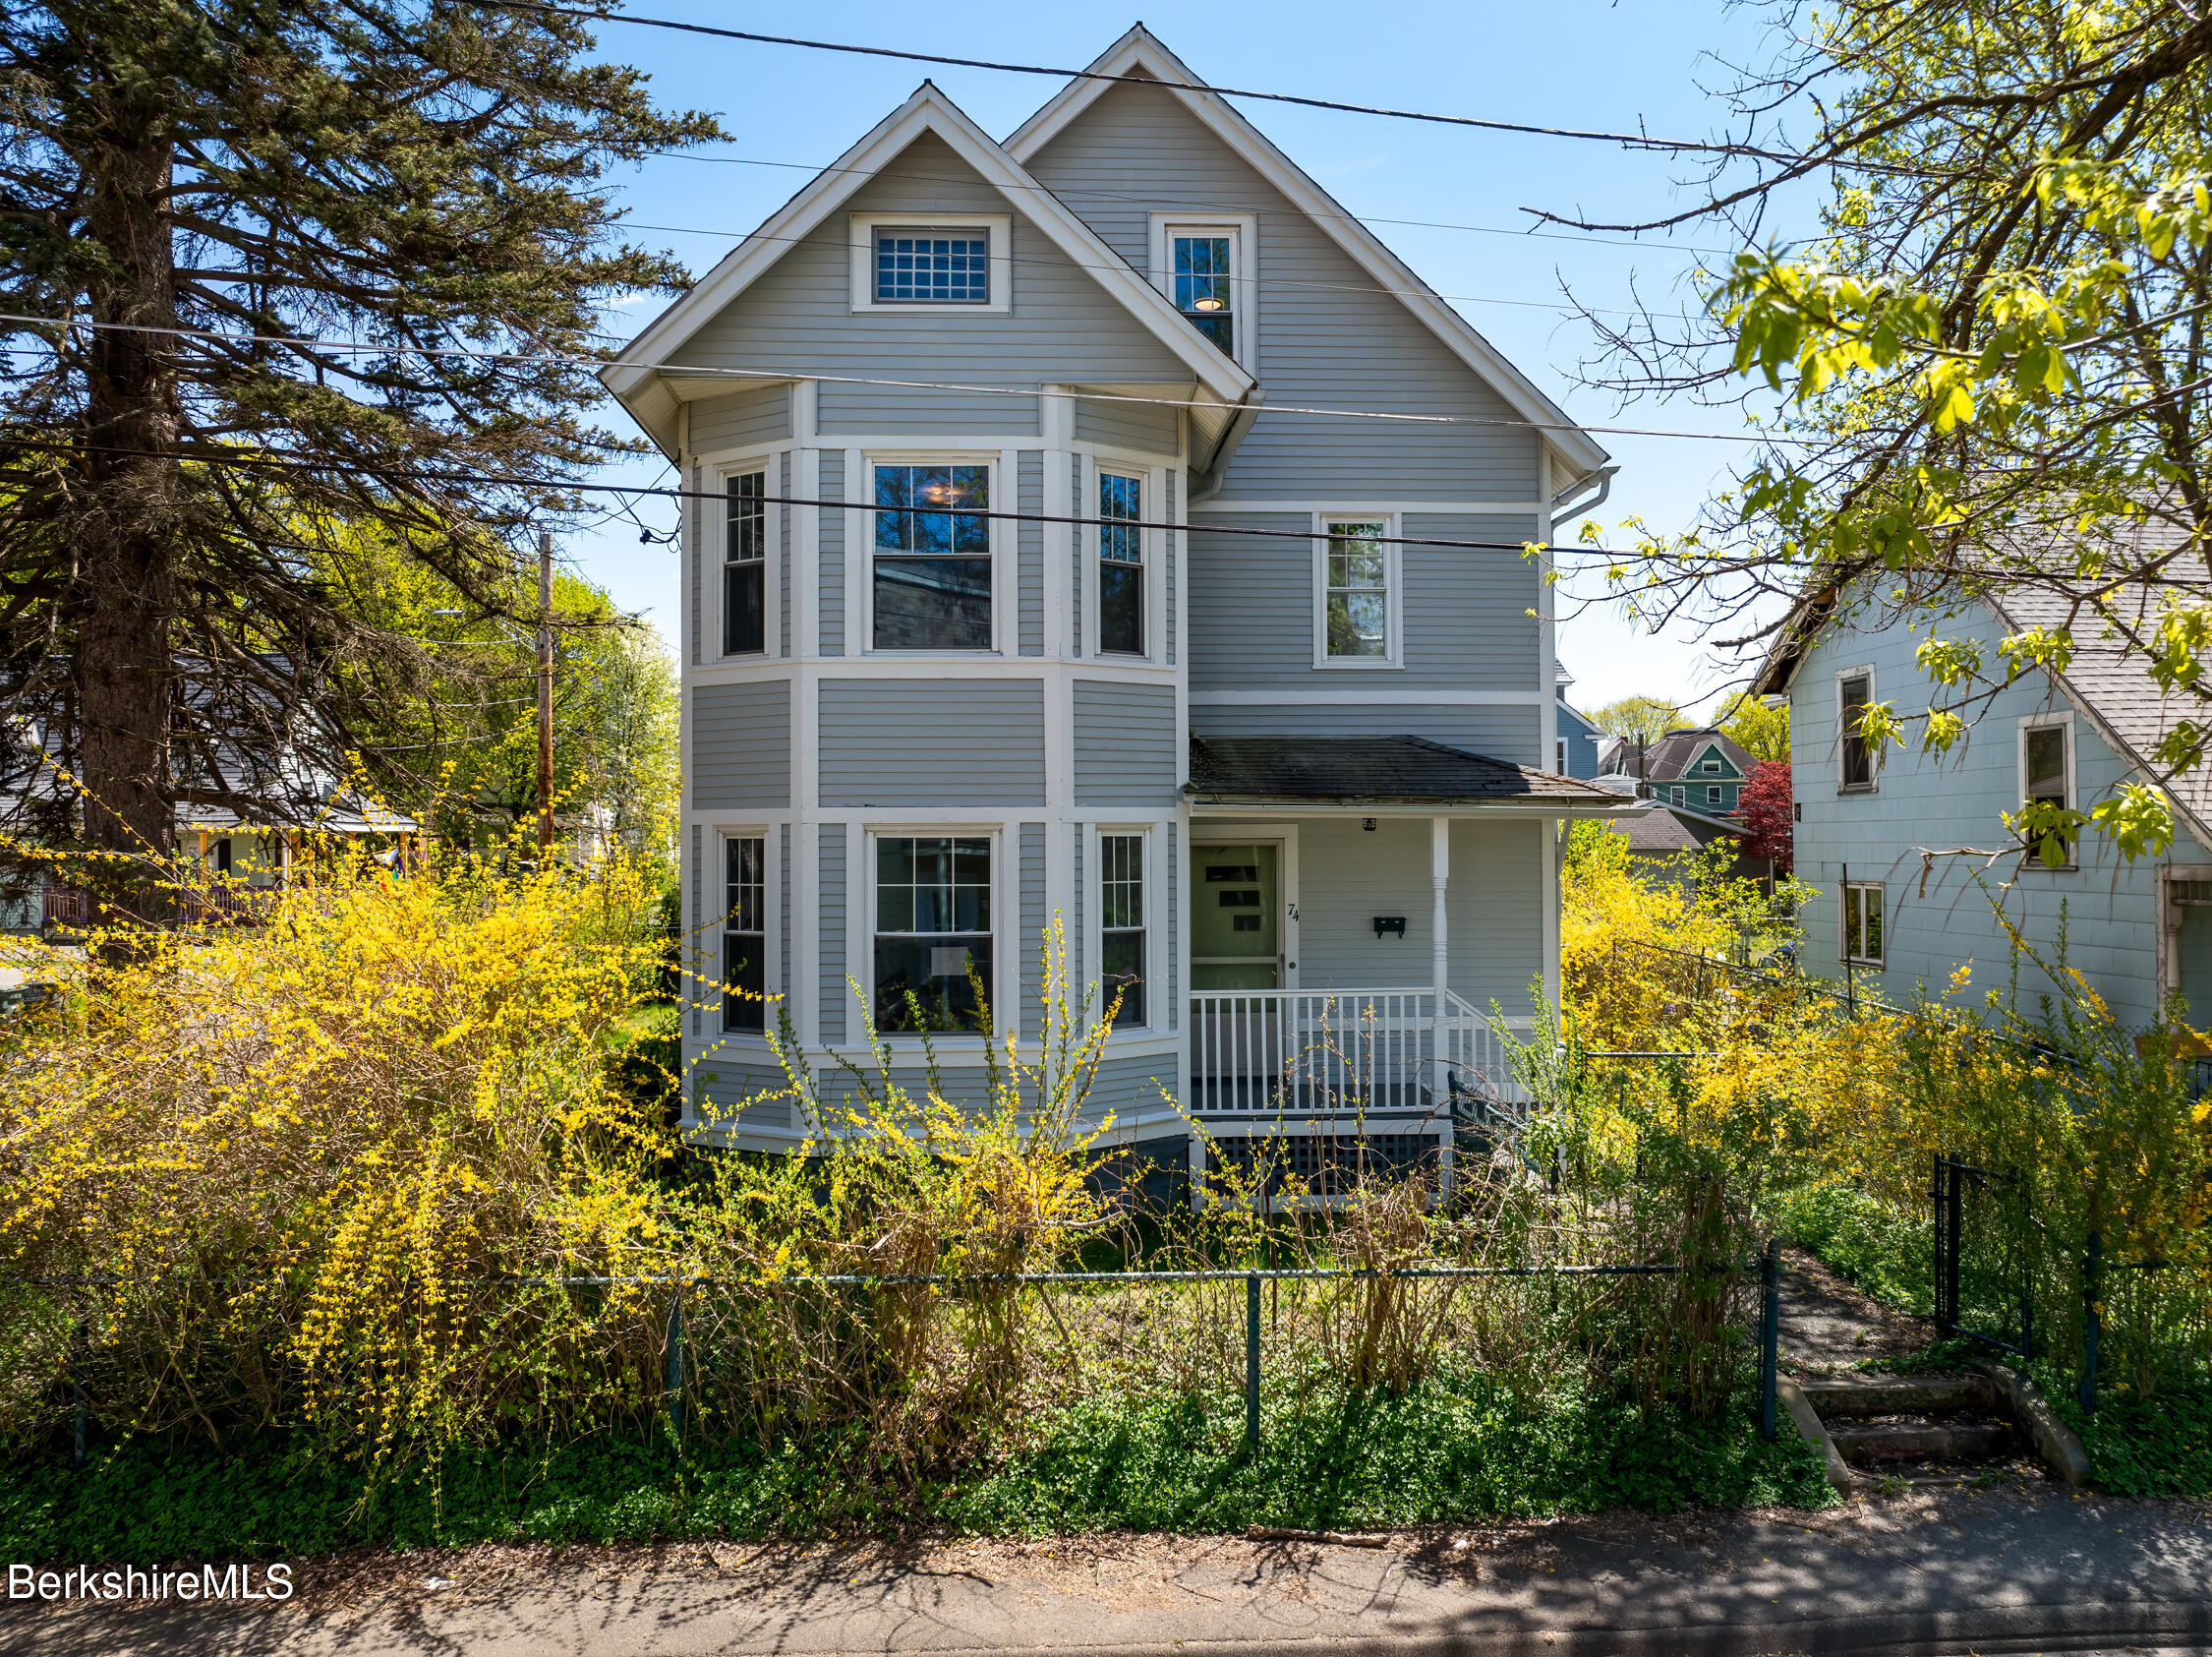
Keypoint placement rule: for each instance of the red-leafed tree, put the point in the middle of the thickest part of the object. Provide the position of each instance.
(1764, 809)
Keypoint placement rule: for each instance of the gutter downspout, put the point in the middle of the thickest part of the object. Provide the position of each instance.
(1245, 411)
(1604, 476)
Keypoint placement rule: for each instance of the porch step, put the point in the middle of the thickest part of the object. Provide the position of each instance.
(1922, 1441)
(1898, 1394)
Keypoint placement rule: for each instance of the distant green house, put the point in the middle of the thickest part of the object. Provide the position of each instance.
(1702, 770)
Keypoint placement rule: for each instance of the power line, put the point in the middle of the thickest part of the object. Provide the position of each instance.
(1071, 192)
(1631, 141)
(746, 374)
(677, 492)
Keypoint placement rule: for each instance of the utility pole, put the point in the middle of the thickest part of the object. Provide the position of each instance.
(545, 696)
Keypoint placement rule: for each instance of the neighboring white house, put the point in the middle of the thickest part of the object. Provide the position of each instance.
(1885, 834)
(1051, 553)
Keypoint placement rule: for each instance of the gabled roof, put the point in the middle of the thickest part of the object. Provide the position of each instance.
(636, 382)
(1141, 53)
(1376, 771)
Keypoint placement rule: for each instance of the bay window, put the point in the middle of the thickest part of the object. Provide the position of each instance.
(1121, 926)
(744, 567)
(931, 583)
(745, 932)
(933, 932)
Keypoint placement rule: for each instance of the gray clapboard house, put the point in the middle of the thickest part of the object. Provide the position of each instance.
(1883, 834)
(1022, 581)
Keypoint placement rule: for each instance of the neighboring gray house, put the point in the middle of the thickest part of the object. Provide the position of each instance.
(1250, 688)
(1893, 915)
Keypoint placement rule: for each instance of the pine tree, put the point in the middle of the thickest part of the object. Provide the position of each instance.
(418, 180)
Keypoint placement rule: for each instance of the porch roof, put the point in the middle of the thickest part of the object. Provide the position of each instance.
(1345, 772)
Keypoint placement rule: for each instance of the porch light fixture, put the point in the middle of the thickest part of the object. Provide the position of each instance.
(1390, 925)
(1368, 823)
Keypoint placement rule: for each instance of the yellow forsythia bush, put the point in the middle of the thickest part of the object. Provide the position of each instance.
(308, 1169)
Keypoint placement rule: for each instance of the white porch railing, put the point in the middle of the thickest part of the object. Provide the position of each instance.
(1342, 1052)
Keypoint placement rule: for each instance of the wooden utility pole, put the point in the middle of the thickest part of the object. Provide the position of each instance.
(545, 696)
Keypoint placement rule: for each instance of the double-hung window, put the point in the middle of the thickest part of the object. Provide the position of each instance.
(745, 932)
(918, 264)
(1203, 285)
(1356, 593)
(1862, 923)
(2046, 777)
(1121, 926)
(1120, 563)
(933, 931)
(932, 578)
(1853, 692)
(744, 567)
(1713, 794)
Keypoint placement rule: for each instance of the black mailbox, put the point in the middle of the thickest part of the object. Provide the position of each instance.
(1390, 925)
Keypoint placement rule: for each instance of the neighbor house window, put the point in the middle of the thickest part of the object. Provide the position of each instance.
(1561, 759)
(1120, 564)
(1853, 692)
(933, 931)
(918, 265)
(1356, 614)
(2044, 769)
(745, 932)
(744, 567)
(1712, 793)
(1862, 924)
(1711, 768)
(1204, 273)
(1121, 924)
(932, 584)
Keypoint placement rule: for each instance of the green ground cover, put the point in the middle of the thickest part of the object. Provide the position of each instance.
(1439, 1452)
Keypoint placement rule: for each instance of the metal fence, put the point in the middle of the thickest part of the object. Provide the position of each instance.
(1767, 1265)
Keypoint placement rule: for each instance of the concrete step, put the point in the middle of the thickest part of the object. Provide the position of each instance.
(1898, 1394)
(1961, 1441)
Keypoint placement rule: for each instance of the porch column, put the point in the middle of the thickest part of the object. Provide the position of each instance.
(1439, 967)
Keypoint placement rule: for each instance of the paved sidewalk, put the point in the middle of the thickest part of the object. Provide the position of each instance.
(1992, 1571)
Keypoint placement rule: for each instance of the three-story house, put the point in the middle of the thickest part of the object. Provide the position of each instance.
(1104, 525)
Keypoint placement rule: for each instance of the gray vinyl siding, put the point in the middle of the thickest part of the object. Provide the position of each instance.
(783, 552)
(932, 742)
(1128, 1084)
(798, 317)
(836, 996)
(741, 1090)
(925, 410)
(1958, 800)
(1126, 741)
(830, 538)
(1321, 341)
(1030, 943)
(742, 745)
(1169, 559)
(759, 415)
(1029, 553)
(1149, 428)
(1464, 611)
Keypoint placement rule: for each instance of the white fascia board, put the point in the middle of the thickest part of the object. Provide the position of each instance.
(928, 110)
(1140, 51)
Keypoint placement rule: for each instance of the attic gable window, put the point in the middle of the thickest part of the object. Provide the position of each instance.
(917, 266)
(1207, 269)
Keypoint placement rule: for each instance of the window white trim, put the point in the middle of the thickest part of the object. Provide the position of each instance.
(1854, 892)
(766, 462)
(716, 881)
(863, 492)
(1243, 231)
(1393, 575)
(1873, 784)
(1002, 889)
(864, 226)
(2062, 720)
(1155, 929)
(1150, 473)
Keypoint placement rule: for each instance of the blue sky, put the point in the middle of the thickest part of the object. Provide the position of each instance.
(1571, 63)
